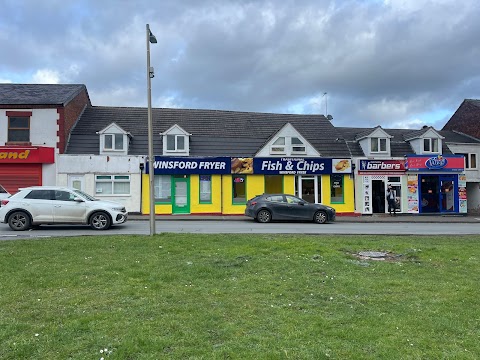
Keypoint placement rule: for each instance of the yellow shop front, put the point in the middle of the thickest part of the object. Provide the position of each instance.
(223, 185)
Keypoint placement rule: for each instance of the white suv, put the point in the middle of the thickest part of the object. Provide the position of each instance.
(59, 205)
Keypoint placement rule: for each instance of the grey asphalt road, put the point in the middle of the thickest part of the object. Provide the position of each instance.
(249, 227)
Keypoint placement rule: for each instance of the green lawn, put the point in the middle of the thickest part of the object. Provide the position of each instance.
(239, 297)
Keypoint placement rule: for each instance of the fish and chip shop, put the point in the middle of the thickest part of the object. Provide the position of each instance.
(223, 185)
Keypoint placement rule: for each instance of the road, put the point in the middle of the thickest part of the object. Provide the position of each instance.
(248, 226)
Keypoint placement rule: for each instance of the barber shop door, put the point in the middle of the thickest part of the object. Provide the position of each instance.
(181, 194)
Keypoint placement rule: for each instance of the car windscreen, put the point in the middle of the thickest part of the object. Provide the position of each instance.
(2, 190)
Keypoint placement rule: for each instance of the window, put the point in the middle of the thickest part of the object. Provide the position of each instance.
(297, 145)
(336, 188)
(470, 161)
(175, 143)
(378, 145)
(278, 146)
(113, 142)
(162, 188)
(205, 189)
(64, 195)
(273, 184)
(40, 195)
(239, 189)
(430, 145)
(18, 129)
(112, 184)
(275, 198)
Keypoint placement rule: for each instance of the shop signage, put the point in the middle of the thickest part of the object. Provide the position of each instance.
(369, 166)
(12, 155)
(301, 166)
(454, 163)
(185, 166)
(265, 166)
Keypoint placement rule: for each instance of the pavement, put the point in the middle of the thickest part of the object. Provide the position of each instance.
(375, 218)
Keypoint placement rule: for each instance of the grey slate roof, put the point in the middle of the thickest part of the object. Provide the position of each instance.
(214, 132)
(39, 94)
(400, 147)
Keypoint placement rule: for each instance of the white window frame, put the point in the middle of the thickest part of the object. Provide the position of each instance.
(300, 145)
(468, 161)
(163, 188)
(379, 141)
(431, 143)
(176, 137)
(279, 146)
(112, 179)
(114, 142)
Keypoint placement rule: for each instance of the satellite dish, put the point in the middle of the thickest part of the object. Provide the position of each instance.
(329, 117)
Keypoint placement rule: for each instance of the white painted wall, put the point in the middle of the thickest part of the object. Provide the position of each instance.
(43, 126)
(91, 165)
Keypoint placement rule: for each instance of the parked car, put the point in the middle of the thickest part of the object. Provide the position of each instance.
(267, 207)
(42, 205)
(3, 193)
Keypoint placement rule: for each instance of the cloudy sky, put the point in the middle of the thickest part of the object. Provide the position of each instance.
(395, 63)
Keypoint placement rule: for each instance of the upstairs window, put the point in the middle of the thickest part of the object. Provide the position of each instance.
(175, 143)
(278, 147)
(470, 161)
(430, 145)
(378, 145)
(297, 145)
(113, 142)
(18, 129)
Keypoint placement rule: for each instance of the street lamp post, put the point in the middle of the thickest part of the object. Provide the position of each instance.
(150, 39)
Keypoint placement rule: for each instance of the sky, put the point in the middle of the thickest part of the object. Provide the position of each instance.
(393, 63)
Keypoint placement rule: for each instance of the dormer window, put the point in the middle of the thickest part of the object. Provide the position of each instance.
(113, 142)
(176, 143)
(378, 145)
(430, 145)
(278, 146)
(297, 146)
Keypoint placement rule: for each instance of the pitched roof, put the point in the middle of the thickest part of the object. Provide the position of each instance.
(39, 94)
(399, 146)
(214, 132)
(466, 118)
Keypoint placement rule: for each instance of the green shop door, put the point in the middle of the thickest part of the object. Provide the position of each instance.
(181, 191)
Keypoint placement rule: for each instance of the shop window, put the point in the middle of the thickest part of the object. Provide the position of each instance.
(175, 143)
(336, 188)
(273, 184)
(113, 142)
(205, 189)
(378, 145)
(19, 129)
(278, 146)
(470, 161)
(430, 145)
(239, 183)
(112, 184)
(162, 188)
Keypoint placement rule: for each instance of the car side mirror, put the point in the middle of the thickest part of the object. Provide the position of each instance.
(302, 203)
(77, 199)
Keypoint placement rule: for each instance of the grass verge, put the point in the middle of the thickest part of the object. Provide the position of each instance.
(182, 296)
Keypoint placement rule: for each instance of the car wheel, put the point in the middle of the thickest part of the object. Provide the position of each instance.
(100, 221)
(320, 217)
(19, 221)
(264, 216)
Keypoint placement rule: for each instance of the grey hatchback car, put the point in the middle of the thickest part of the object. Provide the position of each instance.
(270, 207)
